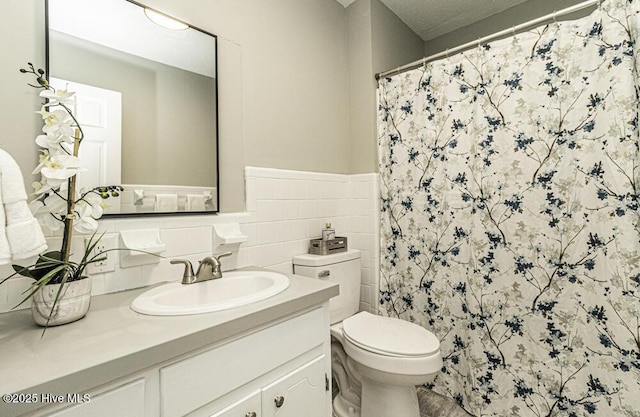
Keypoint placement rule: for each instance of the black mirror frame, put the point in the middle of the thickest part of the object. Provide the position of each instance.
(217, 129)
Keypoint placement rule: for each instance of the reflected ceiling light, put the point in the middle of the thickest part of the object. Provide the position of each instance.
(164, 20)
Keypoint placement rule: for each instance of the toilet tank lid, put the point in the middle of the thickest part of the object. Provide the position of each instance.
(324, 260)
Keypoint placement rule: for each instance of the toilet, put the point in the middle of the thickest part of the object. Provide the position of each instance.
(376, 361)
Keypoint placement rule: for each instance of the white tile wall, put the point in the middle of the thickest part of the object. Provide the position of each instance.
(288, 208)
(187, 237)
(284, 209)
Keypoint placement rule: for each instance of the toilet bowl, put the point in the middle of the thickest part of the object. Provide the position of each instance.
(376, 361)
(388, 357)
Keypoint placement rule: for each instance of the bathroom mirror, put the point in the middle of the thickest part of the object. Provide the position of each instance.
(146, 98)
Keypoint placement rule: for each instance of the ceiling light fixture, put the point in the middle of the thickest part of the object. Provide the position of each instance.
(164, 20)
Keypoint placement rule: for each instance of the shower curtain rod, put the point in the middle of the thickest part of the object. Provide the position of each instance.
(517, 28)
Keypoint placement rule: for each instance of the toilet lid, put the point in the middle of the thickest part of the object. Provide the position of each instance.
(389, 336)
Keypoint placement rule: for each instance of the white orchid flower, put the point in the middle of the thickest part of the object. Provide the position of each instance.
(55, 203)
(42, 160)
(35, 206)
(42, 187)
(37, 185)
(57, 122)
(60, 95)
(53, 142)
(56, 169)
(52, 223)
(84, 222)
(95, 202)
(51, 209)
(54, 207)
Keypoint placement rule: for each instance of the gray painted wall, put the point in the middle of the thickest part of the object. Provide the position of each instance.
(393, 43)
(377, 39)
(296, 78)
(284, 99)
(166, 112)
(362, 127)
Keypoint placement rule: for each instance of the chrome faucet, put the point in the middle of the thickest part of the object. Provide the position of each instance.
(209, 268)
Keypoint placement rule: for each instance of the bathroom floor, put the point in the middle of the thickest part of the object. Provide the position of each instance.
(436, 405)
(431, 404)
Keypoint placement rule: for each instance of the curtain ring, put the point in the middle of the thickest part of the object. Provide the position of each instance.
(446, 53)
(554, 17)
(513, 31)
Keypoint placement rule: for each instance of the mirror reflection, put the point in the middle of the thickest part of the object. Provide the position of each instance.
(146, 88)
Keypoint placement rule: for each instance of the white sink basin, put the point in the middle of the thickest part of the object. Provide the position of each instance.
(234, 289)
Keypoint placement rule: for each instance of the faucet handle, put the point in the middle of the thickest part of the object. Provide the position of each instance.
(188, 276)
(222, 255)
(210, 267)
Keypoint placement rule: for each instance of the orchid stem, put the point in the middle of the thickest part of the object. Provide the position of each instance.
(68, 221)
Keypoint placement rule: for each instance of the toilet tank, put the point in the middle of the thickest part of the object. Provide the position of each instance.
(342, 268)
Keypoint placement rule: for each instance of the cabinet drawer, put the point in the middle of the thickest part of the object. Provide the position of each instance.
(196, 381)
(124, 401)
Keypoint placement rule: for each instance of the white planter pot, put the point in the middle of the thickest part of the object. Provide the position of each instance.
(73, 303)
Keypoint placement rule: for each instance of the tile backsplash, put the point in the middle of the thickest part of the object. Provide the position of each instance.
(288, 208)
(284, 210)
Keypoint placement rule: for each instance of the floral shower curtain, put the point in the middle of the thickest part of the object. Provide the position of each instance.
(510, 191)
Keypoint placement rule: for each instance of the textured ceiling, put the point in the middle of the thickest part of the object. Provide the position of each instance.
(432, 18)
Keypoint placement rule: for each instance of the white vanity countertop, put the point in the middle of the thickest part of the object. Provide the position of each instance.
(113, 340)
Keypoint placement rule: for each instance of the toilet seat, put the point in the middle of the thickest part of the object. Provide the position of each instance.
(389, 336)
(390, 345)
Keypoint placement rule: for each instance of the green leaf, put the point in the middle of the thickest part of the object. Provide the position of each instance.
(41, 283)
(21, 270)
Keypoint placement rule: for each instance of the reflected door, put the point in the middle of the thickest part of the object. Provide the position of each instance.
(99, 112)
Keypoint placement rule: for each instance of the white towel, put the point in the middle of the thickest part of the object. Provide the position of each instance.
(167, 202)
(20, 233)
(195, 202)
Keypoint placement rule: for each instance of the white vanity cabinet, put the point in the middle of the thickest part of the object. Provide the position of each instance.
(279, 370)
(271, 358)
(288, 363)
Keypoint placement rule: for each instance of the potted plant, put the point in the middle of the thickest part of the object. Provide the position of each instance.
(61, 289)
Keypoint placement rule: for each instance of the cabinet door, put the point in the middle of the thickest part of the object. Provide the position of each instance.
(249, 406)
(300, 393)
